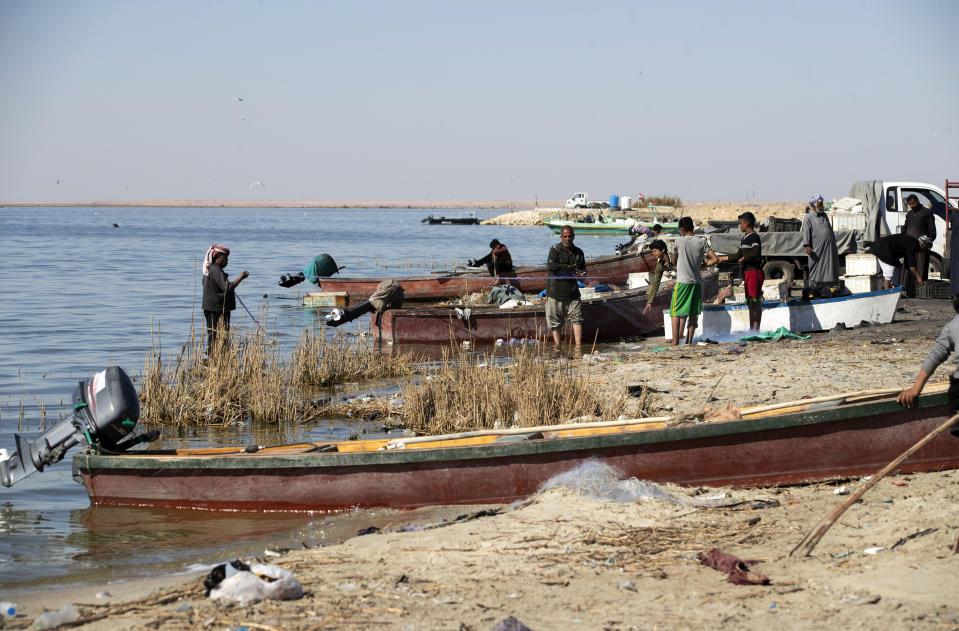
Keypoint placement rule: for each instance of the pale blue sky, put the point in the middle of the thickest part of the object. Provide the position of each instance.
(473, 100)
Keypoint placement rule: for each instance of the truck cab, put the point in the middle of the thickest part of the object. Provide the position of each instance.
(578, 200)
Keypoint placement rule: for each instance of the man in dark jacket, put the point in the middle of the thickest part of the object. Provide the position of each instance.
(219, 297)
(920, 222)
(892, 249)
(564, 263)
(498, 261)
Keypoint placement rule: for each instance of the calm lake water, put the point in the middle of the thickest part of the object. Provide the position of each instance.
(80, 295)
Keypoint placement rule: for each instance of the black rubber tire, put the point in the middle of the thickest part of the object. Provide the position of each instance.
(779, 269)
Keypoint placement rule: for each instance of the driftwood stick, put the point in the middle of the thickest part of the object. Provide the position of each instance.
(955, 546)
(813, 536)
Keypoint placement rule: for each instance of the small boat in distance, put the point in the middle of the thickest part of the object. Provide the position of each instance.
(469, 220)
(608, 226)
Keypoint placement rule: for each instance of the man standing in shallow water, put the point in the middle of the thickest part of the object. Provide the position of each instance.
(219, 292)
(564, 263)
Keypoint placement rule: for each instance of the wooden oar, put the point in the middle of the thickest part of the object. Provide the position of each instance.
(813, 536)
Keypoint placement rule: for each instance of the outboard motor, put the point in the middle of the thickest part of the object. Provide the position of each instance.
(105, 410)
(388, 295)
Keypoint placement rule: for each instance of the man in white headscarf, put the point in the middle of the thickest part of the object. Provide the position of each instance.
(219, 298)
(820, 243)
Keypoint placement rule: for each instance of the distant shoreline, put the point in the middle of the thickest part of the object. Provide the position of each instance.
(499, 204)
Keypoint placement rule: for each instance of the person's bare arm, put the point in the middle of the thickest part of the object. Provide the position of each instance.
(907, 398)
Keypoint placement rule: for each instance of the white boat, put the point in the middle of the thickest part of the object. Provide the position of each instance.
(798, 316)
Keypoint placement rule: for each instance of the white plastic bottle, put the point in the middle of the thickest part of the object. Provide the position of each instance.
(8, 609)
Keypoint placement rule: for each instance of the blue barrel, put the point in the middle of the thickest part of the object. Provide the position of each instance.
(614, 201)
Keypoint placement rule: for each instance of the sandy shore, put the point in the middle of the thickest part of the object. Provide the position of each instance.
(570, 561)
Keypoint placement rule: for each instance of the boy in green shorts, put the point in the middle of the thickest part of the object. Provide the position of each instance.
(687, 302)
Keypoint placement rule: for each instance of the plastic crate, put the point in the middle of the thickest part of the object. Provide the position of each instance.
(862, 283)
(784, 225)
(861, 264)
(935, 290)
(848, 221)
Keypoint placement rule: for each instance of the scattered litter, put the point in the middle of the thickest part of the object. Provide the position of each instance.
(885, 500)
(367, 531)
(921, 533)
(841, 490)
(873, 550)
(104, 594)
(656, 350)
(738, 570)
(852, 599)
(843, 555)
(630, 585)
(898, 483)
(511, 624)
(53, 619)
(252, 584)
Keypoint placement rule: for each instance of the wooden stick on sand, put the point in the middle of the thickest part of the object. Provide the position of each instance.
(813, 536)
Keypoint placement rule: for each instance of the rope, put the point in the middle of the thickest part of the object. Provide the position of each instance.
(240, 300)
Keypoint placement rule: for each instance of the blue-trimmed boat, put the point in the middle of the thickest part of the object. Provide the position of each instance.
(797, 315)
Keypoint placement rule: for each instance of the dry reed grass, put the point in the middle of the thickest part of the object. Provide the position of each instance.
(247, 377)
(468, 392)
(660, 200)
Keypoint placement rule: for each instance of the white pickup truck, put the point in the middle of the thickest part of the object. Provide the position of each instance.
(883, 205)
(581, 200)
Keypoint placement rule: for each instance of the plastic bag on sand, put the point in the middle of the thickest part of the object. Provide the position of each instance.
(595, 479)
(53, 619)
(260, 583)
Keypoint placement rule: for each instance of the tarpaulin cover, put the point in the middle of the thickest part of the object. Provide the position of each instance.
(870, 192)
(322, 266)
(784, 243)
(772, 336)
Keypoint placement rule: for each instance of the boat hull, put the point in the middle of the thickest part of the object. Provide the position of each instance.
(607, 317)
(612, 227)
(452, 221)
(797, 316)
(805, 446)
(613, 270)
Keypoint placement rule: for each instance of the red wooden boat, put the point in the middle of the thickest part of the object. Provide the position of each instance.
(792, 445)
(608, 316)
(612, 270)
